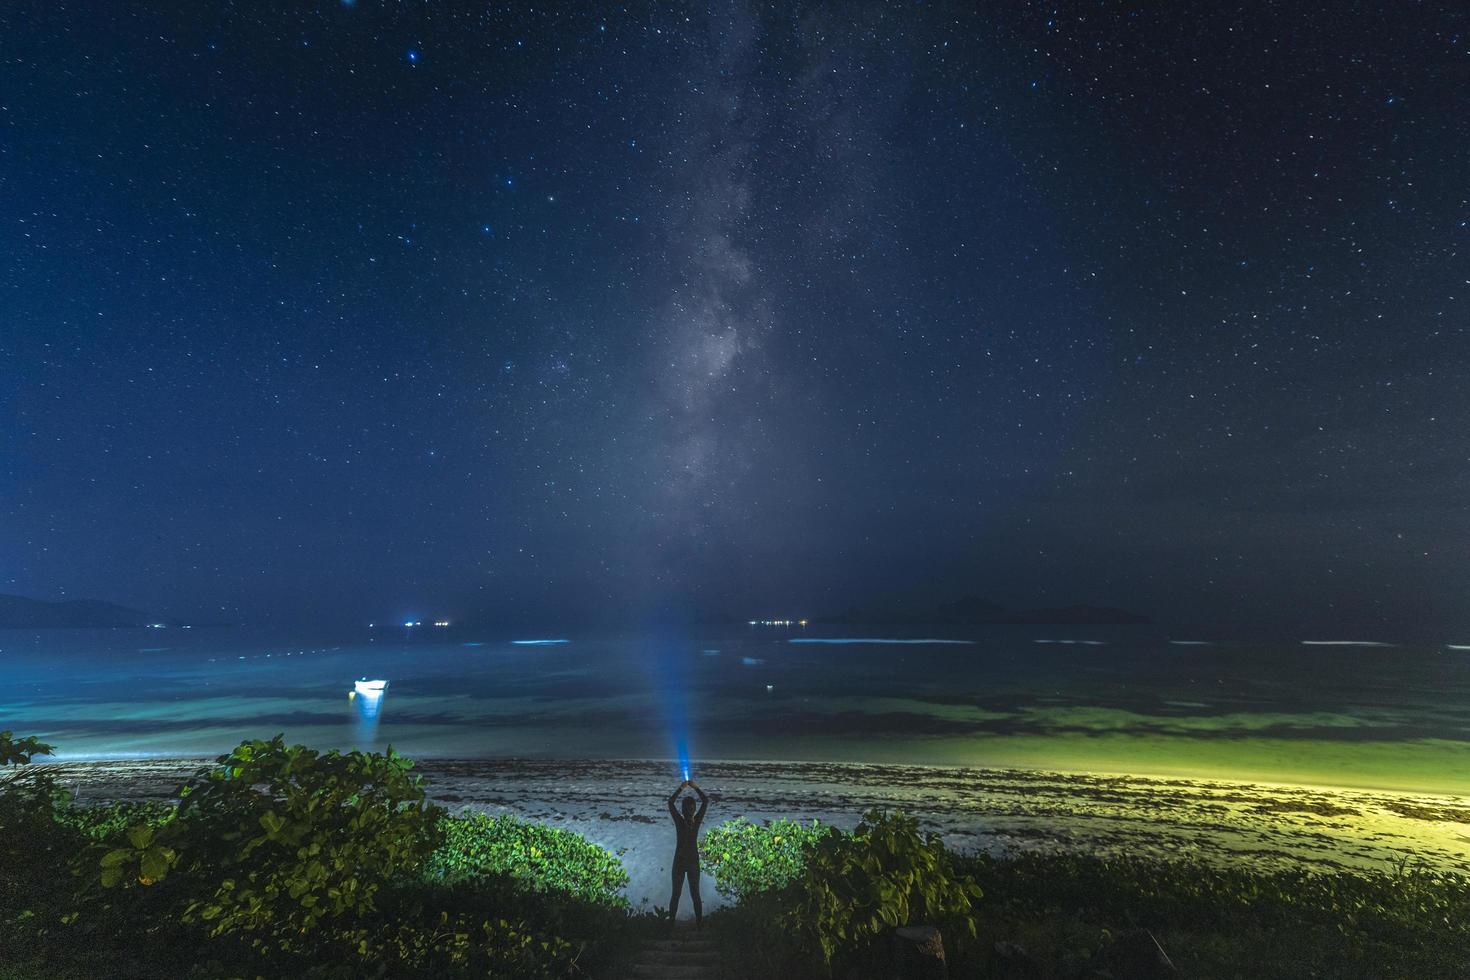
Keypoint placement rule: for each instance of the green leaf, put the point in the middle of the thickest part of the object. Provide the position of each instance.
(116, 857)
(154, 864)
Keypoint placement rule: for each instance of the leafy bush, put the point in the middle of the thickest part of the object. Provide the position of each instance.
(1405, 922)
(282, 861)
(34, 848)
(747, 858)
(1359, 902)
(276, 841)
(28, 799)
(884, 874)
(20, 751)
(572, 934)
(110, 821)
(456, 945)
(537, 857)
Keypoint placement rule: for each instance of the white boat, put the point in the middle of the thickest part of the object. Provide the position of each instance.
(368, 687)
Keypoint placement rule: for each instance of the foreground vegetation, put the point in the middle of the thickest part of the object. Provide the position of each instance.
(280, 861)
(1071, 915)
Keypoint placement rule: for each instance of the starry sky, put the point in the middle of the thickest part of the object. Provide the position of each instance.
(338, 310)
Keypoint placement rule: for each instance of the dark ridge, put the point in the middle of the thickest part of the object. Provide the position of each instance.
(975, 611)
(20, 613)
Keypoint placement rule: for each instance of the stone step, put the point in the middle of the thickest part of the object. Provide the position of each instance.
(681, 944)
(683, 954)
(691, 958)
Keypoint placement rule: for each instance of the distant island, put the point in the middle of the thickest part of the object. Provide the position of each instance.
(975, 611)
(20, 613)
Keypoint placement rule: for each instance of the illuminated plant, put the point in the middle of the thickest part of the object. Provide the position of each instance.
(276, 842)
(749, 858)
(855, 887)
(540, 858)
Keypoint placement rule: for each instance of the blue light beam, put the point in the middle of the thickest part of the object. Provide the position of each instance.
(673, 688)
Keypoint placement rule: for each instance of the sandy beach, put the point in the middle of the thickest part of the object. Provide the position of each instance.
(620, 806)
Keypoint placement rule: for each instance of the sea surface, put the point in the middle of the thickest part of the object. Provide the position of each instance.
(1123, 700)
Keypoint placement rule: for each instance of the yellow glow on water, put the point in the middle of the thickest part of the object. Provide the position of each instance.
(1423, 765)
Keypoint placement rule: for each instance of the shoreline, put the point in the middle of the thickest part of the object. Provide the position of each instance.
(186, 764)
(618, 804)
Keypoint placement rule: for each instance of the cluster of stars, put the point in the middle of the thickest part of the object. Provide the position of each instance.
(735, 304)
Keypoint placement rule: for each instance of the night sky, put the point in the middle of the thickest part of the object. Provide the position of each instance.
(335, 311)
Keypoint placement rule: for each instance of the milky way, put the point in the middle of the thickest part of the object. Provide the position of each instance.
(345, 311)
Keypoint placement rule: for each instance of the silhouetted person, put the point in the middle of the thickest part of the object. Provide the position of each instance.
(686, 851)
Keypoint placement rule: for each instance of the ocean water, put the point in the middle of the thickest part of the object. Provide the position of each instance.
(1099, 700)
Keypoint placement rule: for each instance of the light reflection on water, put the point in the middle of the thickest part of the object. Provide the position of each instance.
(369, 705)
(1141, 703)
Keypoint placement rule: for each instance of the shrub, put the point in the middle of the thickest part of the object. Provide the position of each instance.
(747, 858)
(37, 847)
(884, 874)
(456, 945)
(1212, 918)
(20, 751)
(29, 800)
(110, 821)
(276, 841)
(535, 856)
(282, 861)
(1407, 905)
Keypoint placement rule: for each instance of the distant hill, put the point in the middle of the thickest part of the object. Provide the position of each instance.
(1081, 616)
(974, 611)
(19, 613)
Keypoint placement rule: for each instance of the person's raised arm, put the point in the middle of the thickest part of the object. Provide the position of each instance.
(703, 801)
(673, 797)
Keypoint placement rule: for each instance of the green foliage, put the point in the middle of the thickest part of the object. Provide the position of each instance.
(747, 858)
(455, 945)
(34, 847)
(539, 858)
(20, 751)
(142, 856)
(111, 821)
(1362, 902)
(276, 841)
(282, 861)
(28, 799)
(855, 887)
(1407, 922)
(1066, 908)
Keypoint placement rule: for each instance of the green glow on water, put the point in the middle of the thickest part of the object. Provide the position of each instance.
(1428, 765)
